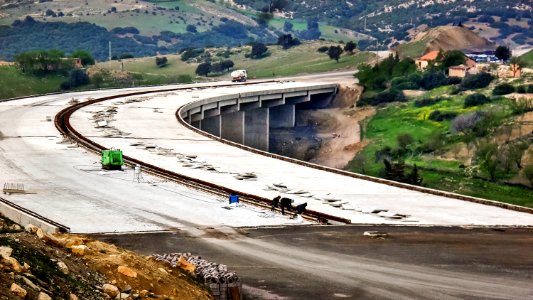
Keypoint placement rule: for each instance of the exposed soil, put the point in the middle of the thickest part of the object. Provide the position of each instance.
(453, 37)
(330, 136)
(87, 273)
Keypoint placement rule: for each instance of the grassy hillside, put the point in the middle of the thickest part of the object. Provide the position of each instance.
(527, 58)
(444, 160)
(296, 60)
(14, 83)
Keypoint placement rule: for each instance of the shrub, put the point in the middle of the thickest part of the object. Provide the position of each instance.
(161, 61)
(439, 116)
(431, 80)
(203, 69)
(466, 122)
(476, 99)
(530, 88)
(385, 97)
(503, 89)
(259, 50)
(476, 81)
(521, 89)
(427, 102)
(323, 49)
(191, 53)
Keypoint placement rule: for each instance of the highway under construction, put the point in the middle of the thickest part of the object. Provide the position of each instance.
(187, 148)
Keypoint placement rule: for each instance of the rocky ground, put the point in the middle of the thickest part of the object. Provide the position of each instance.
(36, 265)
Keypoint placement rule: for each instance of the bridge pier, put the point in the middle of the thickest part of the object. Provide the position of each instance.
(232, 127)
(212, 125)
(283, 116)
(256, 128)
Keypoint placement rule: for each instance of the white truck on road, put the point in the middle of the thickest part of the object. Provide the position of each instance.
(239, 76)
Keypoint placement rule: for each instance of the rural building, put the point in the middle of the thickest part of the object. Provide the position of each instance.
(423, 62)
(75, 62)
(461, 71)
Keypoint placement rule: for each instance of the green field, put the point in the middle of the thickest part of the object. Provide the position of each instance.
(527, 58)
(301, 59)
(443, 174)
(14, 83)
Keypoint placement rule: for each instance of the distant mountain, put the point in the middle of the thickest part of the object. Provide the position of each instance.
(165, 26)
(391, 21)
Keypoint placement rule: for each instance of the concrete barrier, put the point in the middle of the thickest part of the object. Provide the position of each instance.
(24, 217)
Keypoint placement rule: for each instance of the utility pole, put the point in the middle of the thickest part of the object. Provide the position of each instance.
(110, 50)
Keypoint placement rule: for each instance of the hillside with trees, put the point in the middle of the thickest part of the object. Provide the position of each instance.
(147, 28)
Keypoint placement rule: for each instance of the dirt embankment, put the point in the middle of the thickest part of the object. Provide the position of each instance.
(329, 136)
(36, 265)
(454, 37)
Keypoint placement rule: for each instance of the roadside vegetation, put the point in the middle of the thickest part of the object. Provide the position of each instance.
(459, 135)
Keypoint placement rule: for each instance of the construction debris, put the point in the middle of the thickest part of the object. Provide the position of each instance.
(223, 284)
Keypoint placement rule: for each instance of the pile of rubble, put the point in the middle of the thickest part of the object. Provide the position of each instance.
(223, 284)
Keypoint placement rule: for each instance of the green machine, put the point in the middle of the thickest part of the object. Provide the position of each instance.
(112, 159)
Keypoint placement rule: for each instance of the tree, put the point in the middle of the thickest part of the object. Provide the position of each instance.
(191, 28)
(475, 99)
(287, 41)
(97, 80)
(161, 61)
(486, 157)
(413, 177)
(227, 64)
(85, 56)
(516, 64)
(287, 26)
(334, 52)
(452, 58)
(502, 52)
(203, 69)
(528, 173)
(350, 47)
(258, 50)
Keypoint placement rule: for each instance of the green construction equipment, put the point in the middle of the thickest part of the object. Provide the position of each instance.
(112, 159)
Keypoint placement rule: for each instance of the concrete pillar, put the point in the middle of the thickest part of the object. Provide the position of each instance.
(256, 129)
(197, 124)
(212, 125)
(282, 116)
(232, 128)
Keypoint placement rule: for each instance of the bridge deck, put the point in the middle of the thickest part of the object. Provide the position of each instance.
(150, 121)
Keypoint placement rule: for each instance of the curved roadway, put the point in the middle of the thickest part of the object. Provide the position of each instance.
(69, 187)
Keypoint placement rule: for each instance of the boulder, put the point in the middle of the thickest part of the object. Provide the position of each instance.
(127, 271)
(12, 264)
(17, 290)
(43, 296)
(144, 293)
(70, 242)
(31, 228)
(63, 267)
(185, 265)
(40, 233)
(80, 250)
(110, 290)
(5, 252)
(73, 297)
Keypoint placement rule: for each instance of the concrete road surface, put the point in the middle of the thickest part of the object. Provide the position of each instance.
(333, 262)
